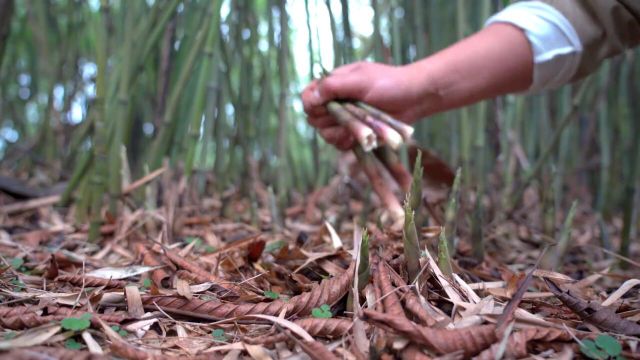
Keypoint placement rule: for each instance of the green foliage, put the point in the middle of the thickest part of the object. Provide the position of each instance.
(323, 312)
(271, 294)
(76, 323)
(444, 257)
(17, 263)
(193, 239)
(209, 249)
(364, 270)
(19, 285)
(146, 283)
(219, 335)
(274, 246)
(10, 335)
(604, 347)
(72, 344)
(122, 332)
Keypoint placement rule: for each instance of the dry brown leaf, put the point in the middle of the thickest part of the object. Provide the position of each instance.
(31, 337)
(390, 299)
(623, 289)
(91, 281)
(184, 289)
(316, 350)
(134, 301)
(149, 259)
(44, 352)
(518, 341)
(327, 328)
(471, 340)
(328, 292)
(594, 313)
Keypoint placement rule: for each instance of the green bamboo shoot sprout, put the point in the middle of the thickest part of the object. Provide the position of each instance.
(410, 240)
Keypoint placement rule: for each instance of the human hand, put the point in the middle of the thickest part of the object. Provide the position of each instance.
(386, 87)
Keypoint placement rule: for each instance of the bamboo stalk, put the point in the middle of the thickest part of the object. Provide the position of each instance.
(162, 143)
(197, 106)
(535, 170)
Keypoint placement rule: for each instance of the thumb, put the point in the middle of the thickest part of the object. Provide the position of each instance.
(351, 86)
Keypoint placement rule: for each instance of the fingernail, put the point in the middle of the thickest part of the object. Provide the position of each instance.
(316, 96)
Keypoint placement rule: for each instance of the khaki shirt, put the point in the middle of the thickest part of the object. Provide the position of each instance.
(605, 28)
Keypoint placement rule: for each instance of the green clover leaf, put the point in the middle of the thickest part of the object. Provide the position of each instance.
(274, 246)
(76, 324)
(609, 344)
(193, 239)
(219, 335)
(272, 295)
(323, 312)
(591, 350)
(72, 344)
(122, 332)
(146, 283)
(16, 263)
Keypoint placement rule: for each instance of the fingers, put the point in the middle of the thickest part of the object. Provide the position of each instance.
(338, 137)
(346, 82)
(321, 122)
(351, 85)
(311, 100)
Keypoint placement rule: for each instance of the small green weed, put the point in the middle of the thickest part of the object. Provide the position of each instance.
(323, 312)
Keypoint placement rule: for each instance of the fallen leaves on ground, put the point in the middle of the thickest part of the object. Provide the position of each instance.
(215, 278)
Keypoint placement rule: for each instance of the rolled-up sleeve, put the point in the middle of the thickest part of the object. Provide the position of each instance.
(570, 38)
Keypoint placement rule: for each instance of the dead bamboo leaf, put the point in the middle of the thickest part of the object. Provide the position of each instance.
(594, 313)
(184, 289)
(470, 340)
(326, 328)
(32, 337)
(336, 242)
(120, 273)
(134, 301)
(257, 352)
(91, 281)
(47, 352)
(328, 292)
(623, 289)
(92, 344)
(516, 346)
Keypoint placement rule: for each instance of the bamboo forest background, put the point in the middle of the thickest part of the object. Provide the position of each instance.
(94, 91)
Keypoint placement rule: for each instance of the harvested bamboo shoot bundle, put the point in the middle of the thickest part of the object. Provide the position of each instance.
(392, 162)
(386, 133)
(364, 134)
(403, 129)
(372, 169)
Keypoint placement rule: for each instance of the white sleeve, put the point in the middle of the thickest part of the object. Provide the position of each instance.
(555, 43)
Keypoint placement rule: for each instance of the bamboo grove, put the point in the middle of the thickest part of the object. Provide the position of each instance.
(95, 93)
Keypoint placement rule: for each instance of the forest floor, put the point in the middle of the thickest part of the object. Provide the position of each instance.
(216, 277)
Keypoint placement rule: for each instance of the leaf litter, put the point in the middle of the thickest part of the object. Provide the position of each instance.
(222, 281)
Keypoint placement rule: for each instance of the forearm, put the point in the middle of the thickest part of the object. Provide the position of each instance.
(495, 61)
